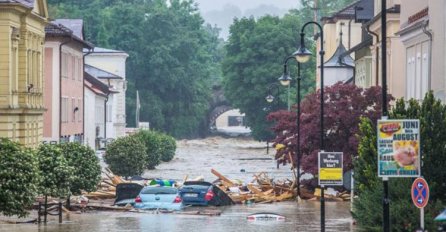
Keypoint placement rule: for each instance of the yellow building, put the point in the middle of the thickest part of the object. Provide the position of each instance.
(22, 37)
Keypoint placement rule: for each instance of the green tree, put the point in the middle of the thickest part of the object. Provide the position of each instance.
(152, 142)
(57, 174)
(255, 52)
(87, 171)
(19, 177)
(126, 156)
(168, 145)
(368, 206)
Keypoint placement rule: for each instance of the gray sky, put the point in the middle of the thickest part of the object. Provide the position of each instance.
(208, 5)
(222, 12)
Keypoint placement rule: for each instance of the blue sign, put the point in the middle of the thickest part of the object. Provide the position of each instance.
(420, 192)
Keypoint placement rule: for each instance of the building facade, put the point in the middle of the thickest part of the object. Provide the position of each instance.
(22, 32)
(64, 82)
(112, 62)
(422, 29)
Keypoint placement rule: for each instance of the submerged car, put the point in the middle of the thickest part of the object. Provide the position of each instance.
(156, 197)
(203, 193)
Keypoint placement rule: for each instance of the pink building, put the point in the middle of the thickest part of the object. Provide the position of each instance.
(64, 81)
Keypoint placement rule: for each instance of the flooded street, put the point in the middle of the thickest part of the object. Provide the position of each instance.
(196, 158)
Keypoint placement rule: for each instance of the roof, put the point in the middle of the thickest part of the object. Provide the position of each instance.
(340, 57)
(75, 25)
(105, 50)
(365, 10)
(58, 30)
(99, 73)
(27, 3)
(97, 86)
(347, 12)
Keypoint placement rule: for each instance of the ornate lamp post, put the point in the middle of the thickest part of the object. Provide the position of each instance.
(285, 80)
(303, 55)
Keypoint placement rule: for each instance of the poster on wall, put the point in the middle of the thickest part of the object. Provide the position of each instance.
(399, 148)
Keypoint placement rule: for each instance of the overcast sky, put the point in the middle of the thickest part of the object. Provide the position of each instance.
(208, 5)
(222, 12)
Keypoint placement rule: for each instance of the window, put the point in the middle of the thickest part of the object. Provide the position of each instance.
(64, 109)
(73, 104)
(417, 73)
(80, 111)
(235, 121)
(109, 113)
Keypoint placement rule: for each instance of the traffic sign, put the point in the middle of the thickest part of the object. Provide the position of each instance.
(420, 192)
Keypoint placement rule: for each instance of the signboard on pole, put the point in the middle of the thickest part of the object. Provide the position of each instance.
(330, 168)
(420, 192)
(399, 148)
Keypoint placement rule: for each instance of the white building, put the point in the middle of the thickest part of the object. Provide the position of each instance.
(109, 67)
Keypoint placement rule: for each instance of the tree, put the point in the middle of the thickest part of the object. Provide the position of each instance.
(87, 171)
(343, 107)
(172, 56)
(19, 177)
(367, 207)
(255, 52)
(168, 146)
(152, 142)
(57, 174)
(126, 156)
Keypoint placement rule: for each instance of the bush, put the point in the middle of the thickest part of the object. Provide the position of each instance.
(19, 178)
(125, 156)
(87, 170)
(404, 215)
(168, 147)
(153, 147)
(57, 174)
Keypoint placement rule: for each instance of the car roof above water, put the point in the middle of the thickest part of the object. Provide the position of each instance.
(159, 190)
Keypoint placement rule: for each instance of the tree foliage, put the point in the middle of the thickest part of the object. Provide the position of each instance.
(255, 53)
(87, 170)
(344, 105)
(404, 215)
(19, 178)
(57, 174)
(168, 146)
(173, 57)
(152, 142)
(126, 156)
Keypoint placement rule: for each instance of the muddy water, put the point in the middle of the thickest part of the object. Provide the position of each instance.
(196, 158)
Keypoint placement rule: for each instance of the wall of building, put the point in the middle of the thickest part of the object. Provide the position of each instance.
(113, 62)
(72, 90)
(21, 56)
(90, 114)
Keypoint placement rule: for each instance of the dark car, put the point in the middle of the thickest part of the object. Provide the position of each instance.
(203, 193)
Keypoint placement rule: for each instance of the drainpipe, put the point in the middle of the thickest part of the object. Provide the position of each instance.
(429, 34)
(105, 114)
(60, 83)
(377, 53)
(350, 32)
(83, 92)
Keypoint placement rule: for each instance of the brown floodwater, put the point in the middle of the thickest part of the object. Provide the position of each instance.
(196, 158)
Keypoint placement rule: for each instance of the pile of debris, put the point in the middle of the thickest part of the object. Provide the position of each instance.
(261, 190)
(107, 186)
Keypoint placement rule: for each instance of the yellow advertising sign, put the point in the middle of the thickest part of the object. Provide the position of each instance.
(330, 174)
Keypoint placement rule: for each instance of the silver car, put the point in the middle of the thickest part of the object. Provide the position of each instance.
(155, 197)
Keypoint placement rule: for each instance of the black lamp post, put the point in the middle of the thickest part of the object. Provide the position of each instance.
(285, 80)
(303, 55)
(270, 97)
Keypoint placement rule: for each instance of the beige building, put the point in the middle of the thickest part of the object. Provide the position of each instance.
(22, 36)
(425, 67)
(396, 83)
(341, 21)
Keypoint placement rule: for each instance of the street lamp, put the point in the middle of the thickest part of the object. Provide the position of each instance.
(286, 77)
(303, 55)
(270, 97)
